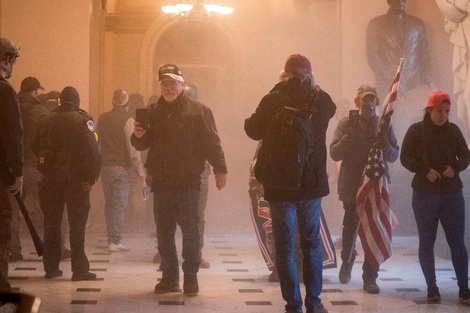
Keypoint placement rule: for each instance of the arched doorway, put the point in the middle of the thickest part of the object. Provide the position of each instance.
(203, 50)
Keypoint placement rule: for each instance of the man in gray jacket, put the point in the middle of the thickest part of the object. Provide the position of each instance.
(353, 139)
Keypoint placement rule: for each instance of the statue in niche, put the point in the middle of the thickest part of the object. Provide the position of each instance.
(457, 25)
(392, 36)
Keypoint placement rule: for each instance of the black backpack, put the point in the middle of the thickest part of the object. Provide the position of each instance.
(287, 147)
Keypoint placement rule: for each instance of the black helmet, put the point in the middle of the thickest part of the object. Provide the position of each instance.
(190, 90)
(7, 48)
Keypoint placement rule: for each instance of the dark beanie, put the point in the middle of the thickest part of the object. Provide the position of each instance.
(70, 96)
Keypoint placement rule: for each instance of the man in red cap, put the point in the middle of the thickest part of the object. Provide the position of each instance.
(436, 152)
(298, 90)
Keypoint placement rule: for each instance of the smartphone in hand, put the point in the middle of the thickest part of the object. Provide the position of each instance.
(142, 116)
(353, 114)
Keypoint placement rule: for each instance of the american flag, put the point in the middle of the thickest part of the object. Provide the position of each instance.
(375, 219)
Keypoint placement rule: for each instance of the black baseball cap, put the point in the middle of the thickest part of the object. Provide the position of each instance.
(170, 70)
(30, 83)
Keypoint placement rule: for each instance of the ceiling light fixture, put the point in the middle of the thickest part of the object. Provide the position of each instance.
(196, 9)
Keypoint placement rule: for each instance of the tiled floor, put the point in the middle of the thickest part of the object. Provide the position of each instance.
(236, 282)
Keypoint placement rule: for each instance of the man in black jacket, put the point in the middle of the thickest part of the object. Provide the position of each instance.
(296, 90)
(32, 111)
(70, 161)
(11, 153)
(180, 135)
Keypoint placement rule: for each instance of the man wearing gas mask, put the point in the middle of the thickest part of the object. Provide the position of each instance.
(353, 139)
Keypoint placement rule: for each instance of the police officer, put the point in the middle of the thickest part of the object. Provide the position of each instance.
(11, 153)
(70, 162)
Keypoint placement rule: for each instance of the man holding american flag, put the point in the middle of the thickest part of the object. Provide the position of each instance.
(355, 138)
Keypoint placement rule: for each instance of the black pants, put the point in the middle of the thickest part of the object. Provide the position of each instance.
(5, 236)
(54, 193)
(349, 242)
(172, 209)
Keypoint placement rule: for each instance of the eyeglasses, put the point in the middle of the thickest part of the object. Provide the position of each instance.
(168, 83)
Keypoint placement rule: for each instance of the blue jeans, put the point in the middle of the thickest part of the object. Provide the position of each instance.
(284, 216)
(171, 209)
(115, 182)
(449, 209)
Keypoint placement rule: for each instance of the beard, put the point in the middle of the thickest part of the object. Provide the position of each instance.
(170, 97)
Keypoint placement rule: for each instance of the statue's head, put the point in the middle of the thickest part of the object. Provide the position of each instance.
(397, 5)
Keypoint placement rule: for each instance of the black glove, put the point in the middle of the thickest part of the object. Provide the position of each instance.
(382, 143)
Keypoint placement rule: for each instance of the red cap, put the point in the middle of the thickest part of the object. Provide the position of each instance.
(295, 61)
(439, 99)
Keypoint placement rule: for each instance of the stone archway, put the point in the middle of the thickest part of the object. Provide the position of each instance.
(203, 50)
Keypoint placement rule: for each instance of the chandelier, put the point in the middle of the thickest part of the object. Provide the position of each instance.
(196, 9)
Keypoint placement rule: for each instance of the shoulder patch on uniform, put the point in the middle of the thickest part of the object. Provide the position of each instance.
(90, 125)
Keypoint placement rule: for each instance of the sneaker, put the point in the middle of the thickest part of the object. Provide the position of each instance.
(318, 309)
(464, 295)
(190, 285)
(371, 287)
(204, 264)
(54, 274)
(433, 294)
(345, 273)
(167, 286)
(117, 247)
(15, 257)
(83, 276)
(157, 258)
(66, 254)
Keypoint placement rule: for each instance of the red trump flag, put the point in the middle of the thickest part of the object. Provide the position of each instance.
(376, 220)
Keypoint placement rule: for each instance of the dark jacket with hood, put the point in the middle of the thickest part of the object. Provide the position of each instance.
(32, 112)
(180, 138)
(427, 146)
(293, 93)
(68, 136)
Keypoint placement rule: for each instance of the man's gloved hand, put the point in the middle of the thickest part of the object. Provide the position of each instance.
(17, 186)
(382, 143)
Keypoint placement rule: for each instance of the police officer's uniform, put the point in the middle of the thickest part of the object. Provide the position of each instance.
(68, 157)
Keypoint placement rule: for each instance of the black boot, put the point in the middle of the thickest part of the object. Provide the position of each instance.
(167, 285)
(190, 285)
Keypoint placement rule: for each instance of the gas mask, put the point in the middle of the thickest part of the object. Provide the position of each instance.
(367, 108)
